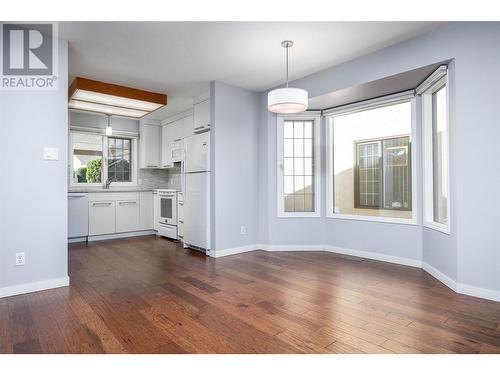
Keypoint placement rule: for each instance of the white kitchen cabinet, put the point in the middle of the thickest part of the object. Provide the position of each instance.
(78, 215)
(187, 126)
(147, 210)
(156, 211)
(201, 116)
(166, 142)
(177, 130)
(127, 216)
(102, 218)
(149, 146)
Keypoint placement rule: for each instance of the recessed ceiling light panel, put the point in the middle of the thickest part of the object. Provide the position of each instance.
(110, 99)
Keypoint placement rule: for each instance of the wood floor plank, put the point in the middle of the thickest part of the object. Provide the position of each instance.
(150, 295)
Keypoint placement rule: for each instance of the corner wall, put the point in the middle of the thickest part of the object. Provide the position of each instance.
(234, 141)
(33, 192)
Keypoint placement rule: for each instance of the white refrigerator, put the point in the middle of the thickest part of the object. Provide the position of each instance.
(197, 192)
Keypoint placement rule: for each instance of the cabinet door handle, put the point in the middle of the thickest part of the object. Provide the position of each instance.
(199, 127)
(180, 203)
(181, 221)
(178, 139)
(151, 166)
(101, 204)
(126, 203)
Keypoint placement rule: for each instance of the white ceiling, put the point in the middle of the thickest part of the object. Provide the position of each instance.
(181, 58)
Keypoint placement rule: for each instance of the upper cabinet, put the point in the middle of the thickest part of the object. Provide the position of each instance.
(188, 125)
(166, 144)
(149, 145)
(201, 116)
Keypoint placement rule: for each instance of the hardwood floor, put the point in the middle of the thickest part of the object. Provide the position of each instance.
(148, 295)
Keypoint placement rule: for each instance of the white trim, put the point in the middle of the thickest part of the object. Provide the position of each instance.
(428, 154)
(332, 249)
(294, 247)
(445, 279)
(316, 118)
(374, 103)
(36, 286)
(234, 250)
(378, 219)
(459, 288)
(478, 292)
(134, 151)
(440, 227)
(330, 209)
(121, 235)
(433, 80)
(375, 256)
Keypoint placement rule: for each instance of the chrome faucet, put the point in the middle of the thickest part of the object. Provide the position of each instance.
(108, 182)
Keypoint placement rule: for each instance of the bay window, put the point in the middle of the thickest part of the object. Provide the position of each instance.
(435, 125)
(370, 154)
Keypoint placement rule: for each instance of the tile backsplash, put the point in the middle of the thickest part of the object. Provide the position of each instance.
(160, 178)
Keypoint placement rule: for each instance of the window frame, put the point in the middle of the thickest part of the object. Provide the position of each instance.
(380, 142)
(308, 116)
(436, 81)
(96, 132)
(398, 98)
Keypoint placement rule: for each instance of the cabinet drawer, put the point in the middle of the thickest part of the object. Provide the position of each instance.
(102, 218)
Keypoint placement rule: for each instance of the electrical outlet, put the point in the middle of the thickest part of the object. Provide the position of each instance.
(20, 259)
(243, 229)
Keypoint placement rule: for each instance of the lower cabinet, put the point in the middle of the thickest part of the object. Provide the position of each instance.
(127, 216)
(120, 212)
(147, 210)
(102, 218)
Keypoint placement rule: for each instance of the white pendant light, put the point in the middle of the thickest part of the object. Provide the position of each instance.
(287, 99)
(109, 129)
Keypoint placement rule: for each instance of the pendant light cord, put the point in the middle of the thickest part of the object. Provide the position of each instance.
(287, 66)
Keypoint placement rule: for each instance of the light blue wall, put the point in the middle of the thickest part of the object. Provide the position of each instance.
(33, 192)
(471, 253)
(235, 175)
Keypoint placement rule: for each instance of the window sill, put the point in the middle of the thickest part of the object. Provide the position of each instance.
(379, 219)
(437, 227)
(298, 215)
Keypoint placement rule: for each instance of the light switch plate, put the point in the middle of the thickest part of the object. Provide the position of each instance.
(50, 153)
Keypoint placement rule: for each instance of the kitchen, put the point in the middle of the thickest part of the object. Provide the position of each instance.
(133, 176)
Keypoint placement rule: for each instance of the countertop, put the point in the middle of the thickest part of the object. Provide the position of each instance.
(111, 190)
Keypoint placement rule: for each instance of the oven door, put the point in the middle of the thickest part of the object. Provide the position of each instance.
(168, 209)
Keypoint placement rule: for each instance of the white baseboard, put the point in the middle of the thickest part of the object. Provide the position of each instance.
(115, 236)
(33, 287)
(475, 291)
(293, 247)
(470, 290)
(233, 251)
(445, 279)
(375, 256)
(332, 249)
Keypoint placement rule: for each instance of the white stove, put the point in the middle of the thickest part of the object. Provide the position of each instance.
(167, 213)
